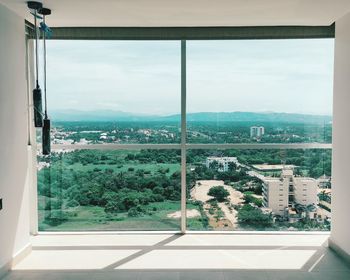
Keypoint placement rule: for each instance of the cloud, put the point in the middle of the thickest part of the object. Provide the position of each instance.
(144, 76)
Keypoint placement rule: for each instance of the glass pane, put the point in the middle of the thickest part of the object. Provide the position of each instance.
(114, 91)
(259, 189)
(109, 190)
(260, 91)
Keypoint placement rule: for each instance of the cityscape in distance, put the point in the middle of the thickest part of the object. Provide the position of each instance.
(254, 189)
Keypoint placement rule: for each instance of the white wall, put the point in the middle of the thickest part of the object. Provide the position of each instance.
(14, 218)
(340, 233)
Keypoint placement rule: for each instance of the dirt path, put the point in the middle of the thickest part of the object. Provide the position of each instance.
(190, 213)
(200, 193)
(230, 215)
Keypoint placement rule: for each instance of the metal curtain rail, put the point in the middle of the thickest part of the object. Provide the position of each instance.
(190, 33)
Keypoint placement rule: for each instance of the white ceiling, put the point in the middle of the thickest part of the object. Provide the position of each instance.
(188, 12)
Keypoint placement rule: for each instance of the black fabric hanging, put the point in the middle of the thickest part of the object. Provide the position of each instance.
(46, 136)
(37, 96)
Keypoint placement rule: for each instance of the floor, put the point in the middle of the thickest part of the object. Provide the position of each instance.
(172, 256)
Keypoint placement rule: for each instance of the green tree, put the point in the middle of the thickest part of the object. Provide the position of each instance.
(248, 198)
(111, 206)
(249, 215)
(219, 193)
(72, 203)
(214, 165)
(56, 217)
(136, 211)
(232, 166)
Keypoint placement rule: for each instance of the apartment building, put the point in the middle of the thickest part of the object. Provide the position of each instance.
(223, 163)
(280, 193)
(257, 131)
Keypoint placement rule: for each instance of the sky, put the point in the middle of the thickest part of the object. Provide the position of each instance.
(143, 77)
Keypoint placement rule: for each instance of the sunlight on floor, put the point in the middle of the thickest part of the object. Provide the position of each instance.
(249, 240)
(72, 259)
(108, 252)
(99, 240)
(221, 259)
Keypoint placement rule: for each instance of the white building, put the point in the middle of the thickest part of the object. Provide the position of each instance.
(223, 162)
(324, 182)
(280, 193)
(257, 131)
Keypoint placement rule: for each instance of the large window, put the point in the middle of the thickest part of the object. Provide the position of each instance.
(114, 91)
(109, 190)
(259, 189)
(197, 135)
(259, 91)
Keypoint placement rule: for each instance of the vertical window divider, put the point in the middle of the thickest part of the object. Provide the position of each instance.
(183, 136)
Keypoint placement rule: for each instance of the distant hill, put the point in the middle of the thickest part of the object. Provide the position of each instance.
(99, 115)
(106, 115)
(253, 117)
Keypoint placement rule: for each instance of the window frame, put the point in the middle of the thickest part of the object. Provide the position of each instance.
(178, 34)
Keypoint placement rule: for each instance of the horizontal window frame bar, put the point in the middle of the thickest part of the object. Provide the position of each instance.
(116, 147)
(189, 33)
(277, 146)
(174, 247)
(303, 146)
(178, 232)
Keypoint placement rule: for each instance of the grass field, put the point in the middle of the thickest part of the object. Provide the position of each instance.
(95, 218)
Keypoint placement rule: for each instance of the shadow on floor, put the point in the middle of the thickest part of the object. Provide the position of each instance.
(323, 264)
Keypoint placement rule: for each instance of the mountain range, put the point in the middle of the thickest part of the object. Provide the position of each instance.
(108, 115)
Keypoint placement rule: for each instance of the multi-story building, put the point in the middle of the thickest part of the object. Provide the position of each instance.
(275, 193)
(288, 190)
(324, 182)
(257, 131)
(223, 163)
